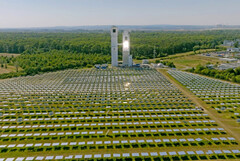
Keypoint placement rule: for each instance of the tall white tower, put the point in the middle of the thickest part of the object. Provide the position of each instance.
(114, 46)
(126, 48)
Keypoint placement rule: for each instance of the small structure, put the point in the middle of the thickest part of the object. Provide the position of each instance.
(228, 66)
(97, 66)
(210, 66)
(233, 50)
(145, 61)
(154, 65)
(103, 66)
(161, 65)
(136, 65)
(146, 66)
(229, 60)
(228, 43)
(224, 67)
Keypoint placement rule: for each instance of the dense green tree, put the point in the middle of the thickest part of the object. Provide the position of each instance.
(236, 44)
(237, 79)
(43, 52)
(55, 60)
(229, 74)
(142, 43)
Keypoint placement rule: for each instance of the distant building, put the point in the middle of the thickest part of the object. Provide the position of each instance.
(228, 43)
(228, 66)
(224, 67)
(154, 65)
(146, 66)
(97, 66)
(231, 60)
(233, 49)
(137, 65)
(145, 61)
(218, 54)
(210, 66)
(103, 66)
(159, 65)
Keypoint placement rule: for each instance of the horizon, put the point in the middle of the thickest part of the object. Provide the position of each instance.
(66, 26)
(55, 13)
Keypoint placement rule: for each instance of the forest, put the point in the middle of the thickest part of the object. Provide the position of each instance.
(52, 61)
(142, 43)
(43, 52)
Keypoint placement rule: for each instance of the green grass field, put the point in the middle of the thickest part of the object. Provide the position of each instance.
(187, 60)
(190, 61)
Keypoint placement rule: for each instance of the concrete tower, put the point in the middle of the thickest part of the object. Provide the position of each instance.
(114, 46)
(126, 48)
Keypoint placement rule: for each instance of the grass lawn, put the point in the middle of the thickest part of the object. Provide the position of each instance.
(9, 54)
(182, 58)
(9, 69)
(190, 61)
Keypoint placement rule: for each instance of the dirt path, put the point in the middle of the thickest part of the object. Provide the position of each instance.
(212, 113)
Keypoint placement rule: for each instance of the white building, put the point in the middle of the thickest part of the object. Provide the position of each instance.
(228, 66)
(114, 46)
(145, 61)
(228, 43)
(127, 58)
(233, 49)
(126, 48)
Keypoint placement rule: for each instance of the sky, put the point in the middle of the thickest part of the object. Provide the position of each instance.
(51, 13)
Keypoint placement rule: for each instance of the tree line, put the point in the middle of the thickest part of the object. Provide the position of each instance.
(54, 60)
(229, 74)
(43, 52)
(142, 43)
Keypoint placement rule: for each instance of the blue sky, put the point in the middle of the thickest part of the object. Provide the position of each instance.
(47, 13)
